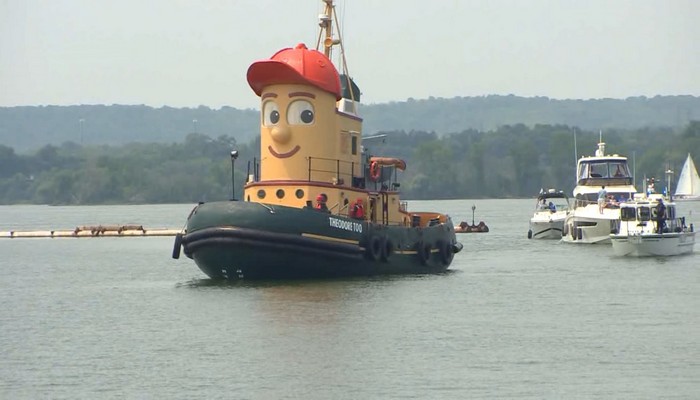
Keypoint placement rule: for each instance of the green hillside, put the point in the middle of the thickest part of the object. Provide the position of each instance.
(29, 128)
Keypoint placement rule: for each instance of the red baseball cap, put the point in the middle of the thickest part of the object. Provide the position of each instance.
(297, 65)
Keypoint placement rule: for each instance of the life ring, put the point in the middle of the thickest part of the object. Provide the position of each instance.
(374, 171)
(446, 252)
(387, 249)
(423, 251)
(374, 248)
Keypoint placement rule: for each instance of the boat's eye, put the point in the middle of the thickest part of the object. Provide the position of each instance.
(271, 113)
(300, 112)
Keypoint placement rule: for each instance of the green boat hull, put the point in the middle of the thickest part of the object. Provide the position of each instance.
(244, 240)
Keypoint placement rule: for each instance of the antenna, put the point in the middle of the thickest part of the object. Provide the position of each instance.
(378, 136)
(575, 158)
(634, 167)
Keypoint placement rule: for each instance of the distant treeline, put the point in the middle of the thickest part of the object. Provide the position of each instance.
(511, 161)
(28, 128)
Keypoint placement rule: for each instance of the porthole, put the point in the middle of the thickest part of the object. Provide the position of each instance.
(280, 193)
(299, 193)
(261, 194)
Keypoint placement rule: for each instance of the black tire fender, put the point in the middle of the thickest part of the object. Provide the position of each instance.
(446, 252)
(423, 251)
(387, 247)
(374, 248)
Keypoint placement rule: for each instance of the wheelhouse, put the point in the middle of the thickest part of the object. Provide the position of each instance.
(644, 212)
(613, 171)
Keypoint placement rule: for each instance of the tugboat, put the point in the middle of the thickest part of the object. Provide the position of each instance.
(316, 204)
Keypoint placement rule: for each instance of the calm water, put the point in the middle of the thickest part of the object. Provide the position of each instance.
(114, 318)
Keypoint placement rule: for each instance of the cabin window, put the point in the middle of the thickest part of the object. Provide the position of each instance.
(628, 214)
(599, 170)
(619, 170)
(645, 213)
(280, 193)
(583, 171)
(299, 193)
(261, 194)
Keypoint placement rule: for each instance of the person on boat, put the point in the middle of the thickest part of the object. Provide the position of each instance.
(358, 210)
(602, 198)
(543, 205)
(650, 187)
(321, 200)
(660, 216)
(552, 207)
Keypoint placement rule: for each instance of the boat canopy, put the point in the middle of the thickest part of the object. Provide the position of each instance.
(552, 194)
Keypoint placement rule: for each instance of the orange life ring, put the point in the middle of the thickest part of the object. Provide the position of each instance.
(374, 171)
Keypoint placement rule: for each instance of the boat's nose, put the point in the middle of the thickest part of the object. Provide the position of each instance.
(281, 134)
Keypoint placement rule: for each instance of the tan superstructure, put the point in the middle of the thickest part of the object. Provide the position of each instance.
(311, 135)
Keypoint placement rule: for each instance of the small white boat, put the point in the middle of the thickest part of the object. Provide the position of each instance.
(639, 234)
(688, 187)
(550, 213)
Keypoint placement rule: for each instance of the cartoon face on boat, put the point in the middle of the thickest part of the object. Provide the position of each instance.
(298, 89)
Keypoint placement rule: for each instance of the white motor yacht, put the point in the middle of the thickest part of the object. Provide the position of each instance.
(589, 222)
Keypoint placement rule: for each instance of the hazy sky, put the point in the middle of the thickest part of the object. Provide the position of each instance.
(189, 53)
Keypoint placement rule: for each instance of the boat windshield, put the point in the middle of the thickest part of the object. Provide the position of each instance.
(639, 213)
(594, 172)
(603, 169)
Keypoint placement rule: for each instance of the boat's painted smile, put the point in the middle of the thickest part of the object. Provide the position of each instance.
(284, 155)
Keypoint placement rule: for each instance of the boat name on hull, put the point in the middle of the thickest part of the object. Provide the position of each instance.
(345, 225)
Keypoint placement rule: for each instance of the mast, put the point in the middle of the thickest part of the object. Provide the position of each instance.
(325, 22)
(669, 176)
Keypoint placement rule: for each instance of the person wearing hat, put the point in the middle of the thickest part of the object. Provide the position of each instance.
(660, 216)
(321, 200)
(358, 210)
